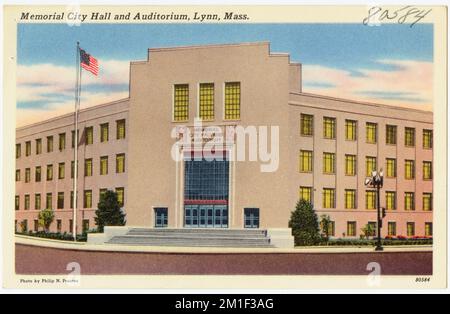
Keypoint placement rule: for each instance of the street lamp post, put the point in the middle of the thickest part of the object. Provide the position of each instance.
(376, 181)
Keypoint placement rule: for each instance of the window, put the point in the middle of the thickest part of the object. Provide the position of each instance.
(331, 228)
(350, 165)
(350, 130)
(410, 137)
(328, 198)
(427, 201)
(27, 201)
(305, 193)
(350, 199)
(232, 101)
(328, 163)
(371, 132)
(428, 229)
(17, 175)
(120, 163)
(409, 201)
(72, 169)
(37, 201)
(410, 229)
(89, 135)
(104, 132)
(329, 127)
(61, 170)
(305, 161)
(427, 170)
(17, 202)
(427, 139)
(391, 134)
(37, 174)
(104, 165)
(62, 141)
(18, 151)
(392, 228)
(251, 217)
(120, 129)
(306, 125)
(391, 200)
(85, 225)
(88, 167)
(351, 228)
(409, 169)
(27, 175)
(60, 202)
(391, 167)
(371, 199)
(58, 225)
(206, 101)
(49, 172)
(371, 165)
(181, 102)
(70, 225)
(120, 196)
(101, 193)
(87, 199)
(49, 144)
(38, 146)
(27, 148)
(36, 225)
(161, 217)
(73, 138)
(71, 200)
(49, 201)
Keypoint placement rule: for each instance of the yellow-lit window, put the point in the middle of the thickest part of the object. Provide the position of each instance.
(409, 169)
(392, 228)
(61, 170)
(102, 193)
(60, 200)
(72, 169)
(103, 165)
(410, 229)
(351, 228)
(328, 163)
(329, 127)
(27, 201)
(350, 165)
(87, 200)
(49, 201)
(428, 229)
(305, 161)
(306, 124)
(331, 228)
(181, 102)
(391, 167)
(427, 170)
(73, 138)
(371, 132)
(38, 146)
(410, 137)
(37, 201)
(120, 196)
(72, 200)
(391, 200)
(120, 163)
(350, 130)
(371, 201)
(371, 165)
(232, 101)
(27, 148)
(18, 150)
(391, 134)
(427, 139)
(49, 172)
(88, 167)
(27, 175)
(17, 202)
(104, 132)
(305, 193)
(89, 135)
(328, 198)
(427, 201)
(37, 174)
(17, 175)
(206, 101)
(62, 141)
(409, 201)
(120, 129)
(350, 199)
(49, 144)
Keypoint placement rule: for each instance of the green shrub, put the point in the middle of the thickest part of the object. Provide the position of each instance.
(304, 224)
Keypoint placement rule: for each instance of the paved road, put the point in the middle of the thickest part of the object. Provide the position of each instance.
(44, 260)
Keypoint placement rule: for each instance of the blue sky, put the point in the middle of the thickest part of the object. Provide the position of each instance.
(361, 56)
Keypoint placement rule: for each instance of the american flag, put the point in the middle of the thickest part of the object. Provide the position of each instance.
(88, 62)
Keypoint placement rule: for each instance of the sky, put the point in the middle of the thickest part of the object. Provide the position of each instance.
(390, 64)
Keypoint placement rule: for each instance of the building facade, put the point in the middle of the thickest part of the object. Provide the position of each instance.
(143, 148)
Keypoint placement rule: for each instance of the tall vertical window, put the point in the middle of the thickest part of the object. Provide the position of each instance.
(49, 144)
(49, 172)
(49, 201)
(427, 139)
(102, 192)
(161, 217)
(120, 129)
(73, 138)
(89, 135)
(17, 175)
(17, 202)
(72, 200)
(329, 198)
(351, 228)
(305, 193)
(104, 132)
(232, 101)
(350, 165)
(38, 146)
(350, 199)
(391, 134)
(58, 225)
(427, 201)
(120, 163)
(27, 148)
(328, 163)
(104, 165)
(60, 201)
(36, 225)
(206, 101)
(371, 132)
(392, 228)
(428, 229)
(305, 161)
(72, 169)
(62, 141)
(120, 196)
(61, 170)
(88, 167)
(329, 127)
(37, 174)
(391, 200)
(409, 169)
(331, 229)
(410, 229)
(427, 170)
(27, 175)
(306, 124)
(85, 225)
(350, 130)
(18, 150)
(371, 165)
(37, 201)
(27, 201)
(410, 137)
(391, 167)
(409, 201)
(371, 199)
(87, 199)
(181, 102)
(251, 217)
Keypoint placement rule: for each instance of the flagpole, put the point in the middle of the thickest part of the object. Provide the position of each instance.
(75, 166)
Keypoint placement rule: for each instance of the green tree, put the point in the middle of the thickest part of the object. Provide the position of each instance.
(23, 226)
(45, 218)
(368, 231)
(109, 212)
(325, 223)
(304, 224)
